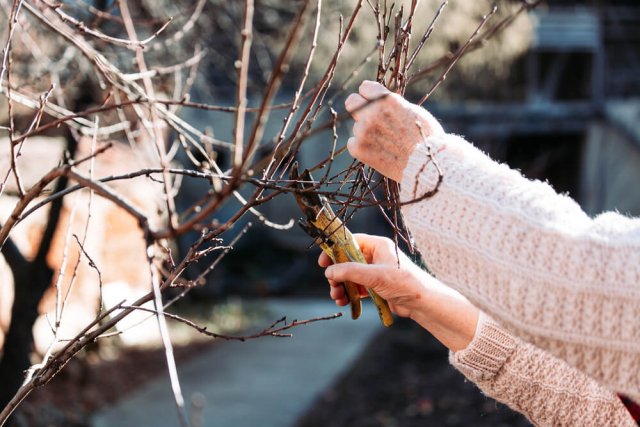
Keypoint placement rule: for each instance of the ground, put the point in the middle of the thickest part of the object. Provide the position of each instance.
(90, 382)
(403, 378)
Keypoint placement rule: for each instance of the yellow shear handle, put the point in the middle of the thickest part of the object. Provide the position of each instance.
(381, 304)
(341, 246)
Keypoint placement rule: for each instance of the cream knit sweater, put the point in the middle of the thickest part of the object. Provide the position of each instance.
(531, 259)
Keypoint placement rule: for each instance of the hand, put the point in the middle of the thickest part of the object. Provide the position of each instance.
(409, 290)
(386, 128)
(394, 277)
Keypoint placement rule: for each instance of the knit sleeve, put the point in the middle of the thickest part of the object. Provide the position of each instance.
(543, 388)
(530, 258)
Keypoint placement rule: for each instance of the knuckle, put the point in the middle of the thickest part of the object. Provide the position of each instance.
(394, 99)
(357, 128)
(351, 99)
(354, 147)
(389, 246)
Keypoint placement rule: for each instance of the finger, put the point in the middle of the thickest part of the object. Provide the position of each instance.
(357, 129)
(324, 260)
(354, 103)
(367, 275)
(363, 291)
(376, 249)
(372, 240)
(335, 284)
(372, 90)
(337, 293)
(342, 302)
(352, 147)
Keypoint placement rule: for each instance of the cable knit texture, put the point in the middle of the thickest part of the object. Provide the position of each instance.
(531, 258)
(545, 389)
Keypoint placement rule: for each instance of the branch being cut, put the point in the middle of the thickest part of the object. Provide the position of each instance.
(276, 329)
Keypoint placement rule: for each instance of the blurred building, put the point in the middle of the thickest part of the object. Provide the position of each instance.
(579, 125)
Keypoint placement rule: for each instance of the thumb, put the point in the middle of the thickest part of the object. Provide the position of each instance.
(367, 275)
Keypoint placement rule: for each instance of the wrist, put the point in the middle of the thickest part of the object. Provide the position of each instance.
(397, 172)
(447, 315)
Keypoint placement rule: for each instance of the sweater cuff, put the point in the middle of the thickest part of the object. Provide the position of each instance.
(485, 355)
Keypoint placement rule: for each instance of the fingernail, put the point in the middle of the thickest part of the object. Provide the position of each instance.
(328, 273)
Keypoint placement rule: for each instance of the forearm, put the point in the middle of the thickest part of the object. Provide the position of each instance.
(446, 314)
(530, 258)
(545, 389)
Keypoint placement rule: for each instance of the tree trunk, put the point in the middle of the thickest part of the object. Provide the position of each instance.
(31, 280)
(15, 361)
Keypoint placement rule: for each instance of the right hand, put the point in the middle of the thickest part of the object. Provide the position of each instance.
(391, 274)
(409, 290)
(387, 128)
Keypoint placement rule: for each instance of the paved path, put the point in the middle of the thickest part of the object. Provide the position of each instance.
(267, 382)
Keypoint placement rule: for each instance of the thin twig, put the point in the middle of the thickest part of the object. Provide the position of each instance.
(425, 36)
(156, 128)
(13, 20)
(280, 67)
(295, 105)
(80, 26)
(458, 55)
(273, 330)
(241, 90)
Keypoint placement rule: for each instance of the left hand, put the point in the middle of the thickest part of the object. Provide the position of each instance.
(387, 128)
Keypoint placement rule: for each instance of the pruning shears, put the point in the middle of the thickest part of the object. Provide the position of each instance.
(334, 238)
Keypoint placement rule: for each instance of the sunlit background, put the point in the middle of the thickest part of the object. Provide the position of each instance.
(555, 95)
